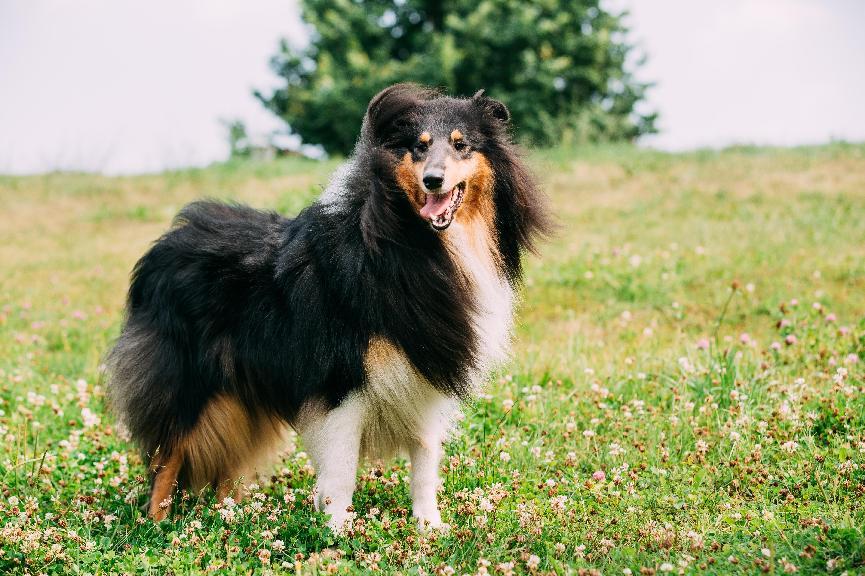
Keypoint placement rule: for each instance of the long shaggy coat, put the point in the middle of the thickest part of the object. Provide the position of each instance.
(361, 322)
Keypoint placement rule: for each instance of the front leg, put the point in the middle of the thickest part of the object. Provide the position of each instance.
(333, 441)
(425, 457)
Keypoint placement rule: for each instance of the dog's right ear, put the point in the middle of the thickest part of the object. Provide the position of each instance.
(492, 107)
(392, 107)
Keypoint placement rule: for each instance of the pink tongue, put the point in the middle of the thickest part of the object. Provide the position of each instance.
(435, 205)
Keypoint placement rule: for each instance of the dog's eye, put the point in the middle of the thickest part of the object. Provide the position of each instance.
(460, 146)
(421, 147)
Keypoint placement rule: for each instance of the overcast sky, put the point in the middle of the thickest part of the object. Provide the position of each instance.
(133, 86)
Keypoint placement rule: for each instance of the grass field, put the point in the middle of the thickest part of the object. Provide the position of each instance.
(686, 392)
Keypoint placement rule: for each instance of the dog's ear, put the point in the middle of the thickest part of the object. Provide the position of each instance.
(391, 107)
(492, 107)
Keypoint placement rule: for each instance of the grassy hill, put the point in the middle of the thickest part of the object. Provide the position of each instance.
(686, 391)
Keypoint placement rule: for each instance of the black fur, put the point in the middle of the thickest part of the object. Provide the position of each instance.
(279, 311)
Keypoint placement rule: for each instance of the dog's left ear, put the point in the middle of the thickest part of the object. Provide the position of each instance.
(492, 107)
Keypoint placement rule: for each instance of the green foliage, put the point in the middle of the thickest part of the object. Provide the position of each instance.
(238, 139)
(622, 438)
(559, 65)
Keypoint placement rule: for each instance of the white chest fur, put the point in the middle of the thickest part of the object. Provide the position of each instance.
(493, 295)
(401, 408)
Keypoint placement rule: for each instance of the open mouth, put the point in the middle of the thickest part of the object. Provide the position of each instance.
(440, 208)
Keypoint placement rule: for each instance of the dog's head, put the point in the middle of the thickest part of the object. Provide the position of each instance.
(441, 146)
(448, 160)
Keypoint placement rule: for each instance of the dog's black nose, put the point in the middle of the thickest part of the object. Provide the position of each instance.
(433, 180)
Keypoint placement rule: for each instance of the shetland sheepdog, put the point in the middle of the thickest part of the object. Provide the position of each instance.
(362, 323)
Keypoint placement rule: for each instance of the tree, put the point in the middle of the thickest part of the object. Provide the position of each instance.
(559, 65)
(238, 139)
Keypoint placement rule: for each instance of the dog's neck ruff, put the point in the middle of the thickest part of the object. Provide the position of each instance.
(335, 196)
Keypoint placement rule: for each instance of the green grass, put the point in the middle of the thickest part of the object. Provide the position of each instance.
(684, 394)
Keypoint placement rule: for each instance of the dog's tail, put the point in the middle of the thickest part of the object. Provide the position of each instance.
(144, 372)
(221, 442)
(172, 372)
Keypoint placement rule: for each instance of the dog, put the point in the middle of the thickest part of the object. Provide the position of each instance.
(362, 323)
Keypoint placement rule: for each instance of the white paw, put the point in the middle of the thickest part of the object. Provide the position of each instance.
(430, 522)
(340, 520)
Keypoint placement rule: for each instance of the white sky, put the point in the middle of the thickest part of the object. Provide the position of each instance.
(781, 72)
(133, 86)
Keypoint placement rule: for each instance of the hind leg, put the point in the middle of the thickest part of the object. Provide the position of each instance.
(332, 439)
(165, 471)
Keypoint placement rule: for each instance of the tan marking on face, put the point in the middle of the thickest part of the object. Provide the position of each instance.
(477, 208)
(477, 212)
(456, 135)
(425, 137)
(478, 199)
(409, 175)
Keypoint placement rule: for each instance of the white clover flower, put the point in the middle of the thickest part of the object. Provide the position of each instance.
(790, 446)
(558, 503)
(35, 399)
(90, 419)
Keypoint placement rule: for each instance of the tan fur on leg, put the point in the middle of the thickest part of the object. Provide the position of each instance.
(164, 483)
(229, 446)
